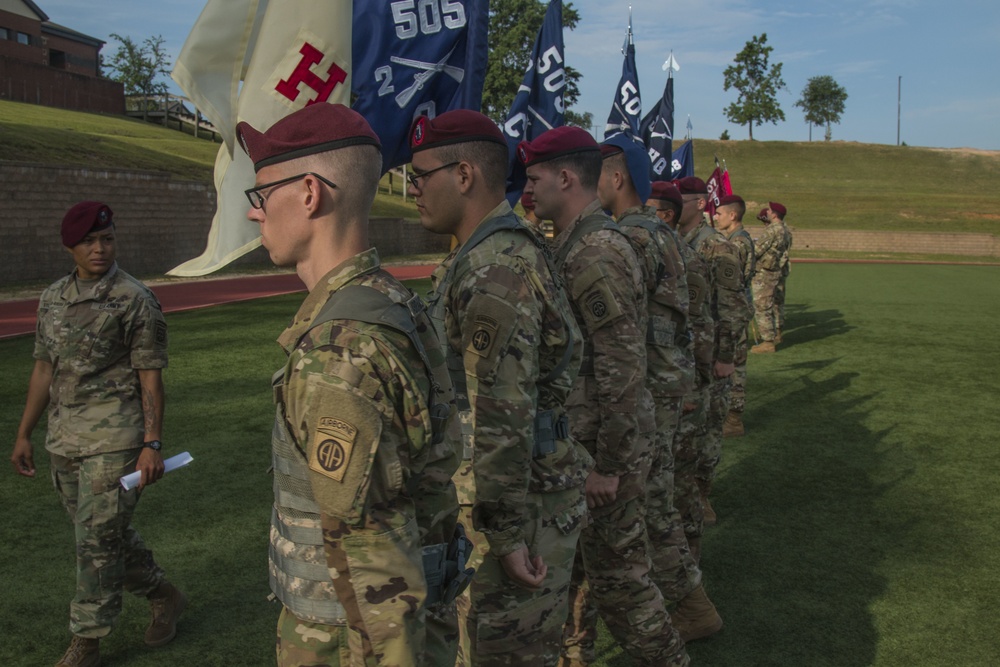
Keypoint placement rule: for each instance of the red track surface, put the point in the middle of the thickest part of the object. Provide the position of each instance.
(17, 318)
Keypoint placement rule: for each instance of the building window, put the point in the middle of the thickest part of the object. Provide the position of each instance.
(57, 59)
(24, 38)
(4, 33)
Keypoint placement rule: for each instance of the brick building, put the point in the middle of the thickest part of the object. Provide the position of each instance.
(42, 62)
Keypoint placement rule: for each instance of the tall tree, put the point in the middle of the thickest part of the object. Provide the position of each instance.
(513, 27)
(758, 85)
(823, 102)
(140, 66)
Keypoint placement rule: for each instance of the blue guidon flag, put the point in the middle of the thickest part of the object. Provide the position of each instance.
(627, 106)
(682, 164)
(657, 132)
(416, 58)
(538, 105)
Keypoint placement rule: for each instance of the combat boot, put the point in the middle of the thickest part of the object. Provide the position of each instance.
(777, 336)
(167, 603)
(695, 616)
(82, 652)
(733, 426)
(710, 517)
(763, 347)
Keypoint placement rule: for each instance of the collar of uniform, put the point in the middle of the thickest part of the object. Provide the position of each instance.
(590, 209)
(96, 293)
(641, 209)
(502, 209)
(362, 263)
(693, 234)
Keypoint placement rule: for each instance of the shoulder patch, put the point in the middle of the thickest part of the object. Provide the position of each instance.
(333, 442)
(728, 273)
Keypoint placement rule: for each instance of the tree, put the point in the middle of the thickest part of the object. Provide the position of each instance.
(514, 25)
(823, 102)
(757, 84)
(139, 66)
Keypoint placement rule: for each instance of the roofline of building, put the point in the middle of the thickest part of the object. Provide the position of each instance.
(38, 10)
(62, 31)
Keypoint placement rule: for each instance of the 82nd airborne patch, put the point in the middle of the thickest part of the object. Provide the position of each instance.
(331, 448)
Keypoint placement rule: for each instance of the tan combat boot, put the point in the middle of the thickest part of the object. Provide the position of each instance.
(733, 426)
(167, 604)
(764, 347)
(82, 652)
(710, 517)
(695, 616)
(777, 336)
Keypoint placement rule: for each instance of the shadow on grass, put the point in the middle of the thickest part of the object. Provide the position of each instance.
(792, 564)
(803, 325)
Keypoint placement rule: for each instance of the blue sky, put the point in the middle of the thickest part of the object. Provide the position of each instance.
(948, 54)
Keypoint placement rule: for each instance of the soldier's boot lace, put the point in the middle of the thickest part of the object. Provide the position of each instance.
(82, 652)
(733, 426)
(167, 603)
(710, 517)
(695, 616)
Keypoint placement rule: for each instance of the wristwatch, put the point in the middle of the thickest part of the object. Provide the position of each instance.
(155, 445)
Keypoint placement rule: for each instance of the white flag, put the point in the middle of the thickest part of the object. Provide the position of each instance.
(288, 55)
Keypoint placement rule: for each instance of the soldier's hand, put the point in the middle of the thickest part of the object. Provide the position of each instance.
(150, 466)
(524, 570)
(601, 490)
(23, 457)
(724, 370)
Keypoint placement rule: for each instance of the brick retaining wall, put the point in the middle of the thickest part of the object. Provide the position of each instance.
(922, 243)
(164, 221)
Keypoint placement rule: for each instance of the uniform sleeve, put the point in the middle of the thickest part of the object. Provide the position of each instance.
(146, 334)
(500, 326)
(41, 350)
(767, 241)
(602, 285)
(356, 450)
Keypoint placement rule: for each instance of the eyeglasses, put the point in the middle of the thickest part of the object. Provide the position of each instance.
(414, 179)
(257, 199)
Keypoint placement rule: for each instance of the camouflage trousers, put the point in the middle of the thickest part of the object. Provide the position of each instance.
(612, 578)
(737, 393)
(710, 441)
(687, 497)
(779, 300)
(764, 284)
(675, 571)
(505, 624)
(110, 554)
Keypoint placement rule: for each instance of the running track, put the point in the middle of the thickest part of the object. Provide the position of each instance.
(17, 318)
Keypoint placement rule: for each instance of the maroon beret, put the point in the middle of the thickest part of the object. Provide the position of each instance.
(762, 216)
(730, 199)
(691, 185)
(527, 202)
(666, 191)
(316, 128)
(608, 150)
(555, 143)
(85, 217)
(453, 127)
(778, 208)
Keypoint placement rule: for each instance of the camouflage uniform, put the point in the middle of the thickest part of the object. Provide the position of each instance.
(612, 414)
(744, 245)
(769, 249)
(779, 291)
(670, 374)
(731, 314)
(96, 335)
(361, 484)
(514, 344)
(687, 498)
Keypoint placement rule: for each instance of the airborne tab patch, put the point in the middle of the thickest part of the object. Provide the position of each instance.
(484, 335)
(331, 448)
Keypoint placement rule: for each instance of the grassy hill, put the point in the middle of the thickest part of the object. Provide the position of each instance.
(837, 185)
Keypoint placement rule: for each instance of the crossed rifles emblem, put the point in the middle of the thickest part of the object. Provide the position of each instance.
(429, 70)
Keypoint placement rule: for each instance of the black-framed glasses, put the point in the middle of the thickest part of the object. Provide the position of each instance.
(257, 199)
(414, 179)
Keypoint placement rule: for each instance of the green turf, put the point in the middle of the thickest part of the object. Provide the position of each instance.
(857, 517)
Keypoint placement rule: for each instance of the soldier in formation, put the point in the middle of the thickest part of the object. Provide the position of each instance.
(772, 267)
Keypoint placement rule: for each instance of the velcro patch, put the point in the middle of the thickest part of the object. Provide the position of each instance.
(160, 336)
(333, 442)
(484, 335)
(728, 273)
(599, 306)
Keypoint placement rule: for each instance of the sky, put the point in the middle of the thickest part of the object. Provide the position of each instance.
(946, 53)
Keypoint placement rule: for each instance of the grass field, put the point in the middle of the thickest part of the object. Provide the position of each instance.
(857, 517)
(835, 185)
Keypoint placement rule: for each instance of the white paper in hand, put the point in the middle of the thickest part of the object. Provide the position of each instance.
(131, 480)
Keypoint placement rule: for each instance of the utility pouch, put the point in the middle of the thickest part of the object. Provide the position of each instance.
(444, 568)
(548, 429)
